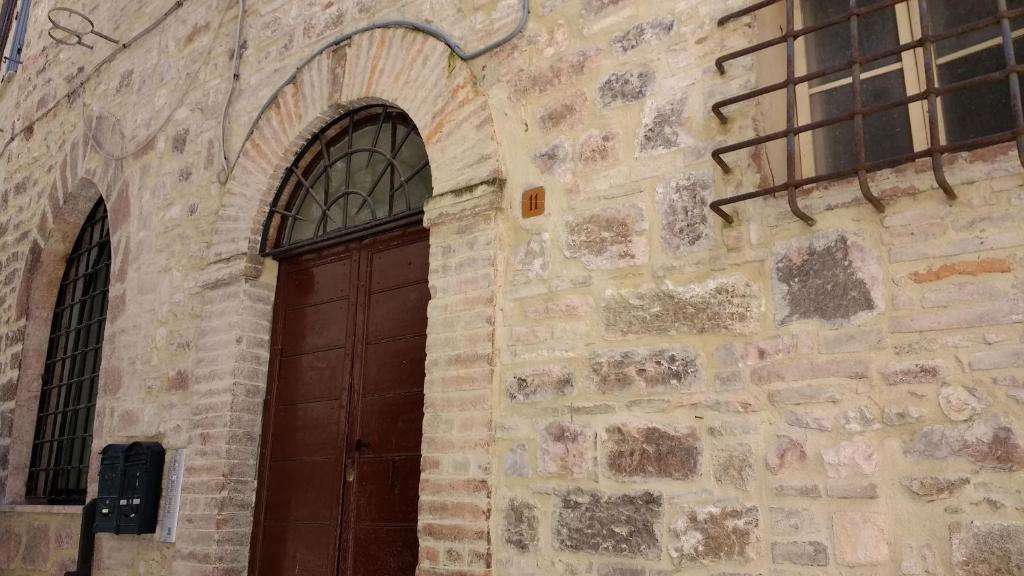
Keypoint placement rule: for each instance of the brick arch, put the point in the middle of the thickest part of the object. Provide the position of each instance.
(408, 70)
(404, 68)
(68, 202)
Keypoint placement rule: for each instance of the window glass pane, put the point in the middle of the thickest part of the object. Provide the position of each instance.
(831, 46)
(376, 169)
(886, 134)
(949, 15)
(978, 111)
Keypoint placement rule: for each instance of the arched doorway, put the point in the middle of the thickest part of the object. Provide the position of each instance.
(342, 422)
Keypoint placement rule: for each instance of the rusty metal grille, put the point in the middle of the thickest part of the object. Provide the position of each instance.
(59, 468)
(365, 171)
(1003, 21)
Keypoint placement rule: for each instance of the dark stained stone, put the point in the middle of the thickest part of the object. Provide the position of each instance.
(597, 7)
(566, 449)
(598, 147)
(539, 384)
(991, 444)
(830, 277)
(734, 467)
(554, 160)
(931, 488)
(800, 553)
(661, 127)
(715, 534)
(643, 34)
(723, 305)
(683, 207)
(619, 525)
(658, 370)
(180, 141)
(607, 238)
(988, 549)
(521, 525)
(625, 87)
(638, 451)
(564, 115)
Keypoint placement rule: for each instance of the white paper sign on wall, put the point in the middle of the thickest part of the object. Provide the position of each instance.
(168, 529)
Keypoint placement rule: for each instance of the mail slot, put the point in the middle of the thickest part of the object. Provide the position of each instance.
(128, 498)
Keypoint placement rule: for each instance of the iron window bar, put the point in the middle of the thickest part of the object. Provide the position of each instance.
(58, 469)
(929, 96)
(336, 146)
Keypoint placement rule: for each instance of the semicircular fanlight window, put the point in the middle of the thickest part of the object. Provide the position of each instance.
(367, 169)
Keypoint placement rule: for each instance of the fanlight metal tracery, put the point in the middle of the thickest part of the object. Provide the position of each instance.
(368, 170)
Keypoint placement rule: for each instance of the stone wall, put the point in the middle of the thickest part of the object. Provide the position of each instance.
(637, 389)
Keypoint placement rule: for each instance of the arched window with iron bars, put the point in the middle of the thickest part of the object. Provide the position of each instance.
(59, 468)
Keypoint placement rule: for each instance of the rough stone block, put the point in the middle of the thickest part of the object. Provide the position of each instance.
(788, 453)
(989, 443)
(564, 115)
(988, 548)
(860, 538)
(919, 372)
(532, 260)
(734, 467)
(715, 534)
(540, 384)
(961, 403)
(856, 457)
(625, 87)
(683, 208)
(859, 419)
(643, 34)
(793, 522)
(555, 160)
(903, 416)
(932, 488)
(645, 371)
(521, 525)
(728, 305)
(646, 451)
(831, 277)
(597, 148)
(663, 128)
(566, 449)
(618, 525)
(607, 238)
(811, 553)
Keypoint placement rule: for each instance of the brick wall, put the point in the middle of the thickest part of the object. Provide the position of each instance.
(621, 387)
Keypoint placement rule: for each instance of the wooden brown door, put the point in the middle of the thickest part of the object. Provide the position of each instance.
(343, 418)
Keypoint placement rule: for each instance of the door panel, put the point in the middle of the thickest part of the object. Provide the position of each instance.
(347, 364)
(399, 312)
(311, 377)
(386, 550)
(304, 491)
(395, 366)
(307, 430)
(388, 491)
(391, 424)
(315, 328)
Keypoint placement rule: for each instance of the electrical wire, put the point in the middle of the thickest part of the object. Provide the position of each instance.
(229, 168)
(454, 46)
(182, 94)
(231, 91)
(88, 76)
